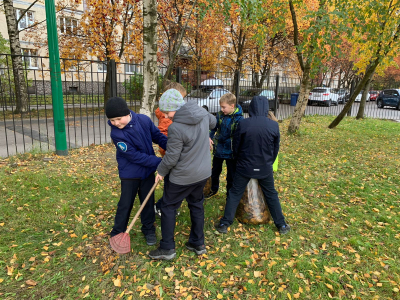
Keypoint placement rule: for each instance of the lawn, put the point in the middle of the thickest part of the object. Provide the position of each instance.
(339, 190)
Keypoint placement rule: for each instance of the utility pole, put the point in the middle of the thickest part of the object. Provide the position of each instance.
(56, 84)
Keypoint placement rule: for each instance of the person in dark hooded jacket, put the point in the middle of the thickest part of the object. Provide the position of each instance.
(255, 148)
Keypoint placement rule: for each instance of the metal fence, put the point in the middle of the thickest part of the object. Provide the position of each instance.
(85, 86)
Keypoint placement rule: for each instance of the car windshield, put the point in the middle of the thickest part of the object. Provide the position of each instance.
(218, 93)
(268, 94)
(317, 90)
(199, 94)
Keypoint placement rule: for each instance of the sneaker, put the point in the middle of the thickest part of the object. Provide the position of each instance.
(221, 228)
(164, 254)
(151, 239)
(157, 211)
(210, 194)
(199, 250)
(284, 229)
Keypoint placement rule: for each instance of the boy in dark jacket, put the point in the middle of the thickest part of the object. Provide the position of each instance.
(255, 147)
(221, 136)
(185, 169)
(133, 135)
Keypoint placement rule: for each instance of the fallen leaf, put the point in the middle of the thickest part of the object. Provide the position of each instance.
(187, 273)
(31, 282)
(84, 237)
(73, 235)
(117, 282)
(85, 290)
(32, 259)
(10, 271)
(329, 286)
(219, 296)
(257, 274)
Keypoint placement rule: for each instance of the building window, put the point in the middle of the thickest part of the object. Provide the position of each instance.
(27, 20)
(30, 61)
(132, 68)
(68, 25)
(102, 67)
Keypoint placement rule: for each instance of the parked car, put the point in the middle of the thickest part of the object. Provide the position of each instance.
(342, 95)
(389, 97)
(359, 96)
(246, 96)
(207, 99)
(373, 95)
(323, 95)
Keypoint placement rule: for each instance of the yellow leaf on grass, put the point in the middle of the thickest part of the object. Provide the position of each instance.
(117, 282)
(10, 271)
(169, 269)
(84, 237)
(219, 296)
(257, 274)
(329, 286)
(85, 290)
(187, 273)
(31, 282)
(73, 235)
(296, 296)
(130, 298)
(46, 248)
(189, 297)
(1, 224)
(32, 259)
(290, 297)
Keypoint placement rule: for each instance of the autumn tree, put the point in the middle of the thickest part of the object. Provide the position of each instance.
(316, 34)
(374, 29)
(174, 18)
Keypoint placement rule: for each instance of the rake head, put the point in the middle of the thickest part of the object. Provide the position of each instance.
(121, 243)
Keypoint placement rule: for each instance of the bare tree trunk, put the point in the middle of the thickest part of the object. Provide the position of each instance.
(368, 74)
(150, 72)
(360, 114)
(301, 101)
(16, 59)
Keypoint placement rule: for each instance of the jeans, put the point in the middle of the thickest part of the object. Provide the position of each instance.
(271, 197)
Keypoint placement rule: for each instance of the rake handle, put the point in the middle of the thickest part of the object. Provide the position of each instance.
(142, 206)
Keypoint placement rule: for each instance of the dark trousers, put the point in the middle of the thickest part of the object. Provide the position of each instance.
(129, 189)
(216, 172)
(172, 200)
(271, 197)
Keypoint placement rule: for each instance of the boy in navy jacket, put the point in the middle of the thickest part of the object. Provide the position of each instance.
(133, 135)
(221, 136)
(255, 147)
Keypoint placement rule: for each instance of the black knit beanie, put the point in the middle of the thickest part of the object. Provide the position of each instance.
(116, 107)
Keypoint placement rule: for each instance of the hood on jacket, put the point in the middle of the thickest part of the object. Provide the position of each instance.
(259, 106)
(190, 114)
(238, 110)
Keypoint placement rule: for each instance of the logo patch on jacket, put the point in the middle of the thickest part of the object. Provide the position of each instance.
(122, 146)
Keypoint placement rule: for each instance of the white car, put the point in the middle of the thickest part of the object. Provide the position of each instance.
(358, 98)
(208, 99)
(323, 95)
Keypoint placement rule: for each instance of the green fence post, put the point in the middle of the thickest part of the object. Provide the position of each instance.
(56, 84)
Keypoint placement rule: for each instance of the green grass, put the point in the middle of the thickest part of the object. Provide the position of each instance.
(339, 190)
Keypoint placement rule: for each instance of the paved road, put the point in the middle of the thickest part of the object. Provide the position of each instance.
(20, 136)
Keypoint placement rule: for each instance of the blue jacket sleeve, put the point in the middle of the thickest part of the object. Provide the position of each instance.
(213, 131)
(131, 153)
(156, 136)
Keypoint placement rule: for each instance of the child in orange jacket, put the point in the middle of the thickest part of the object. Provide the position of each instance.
(163, 124)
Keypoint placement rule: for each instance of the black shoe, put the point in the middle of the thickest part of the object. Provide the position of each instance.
(157, 211)
(164, 254)
(199, 250)
(151, 239)
(221, 228)
(284, 229)
(210, 194)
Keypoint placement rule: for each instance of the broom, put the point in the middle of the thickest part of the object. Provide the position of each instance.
(121, 243)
